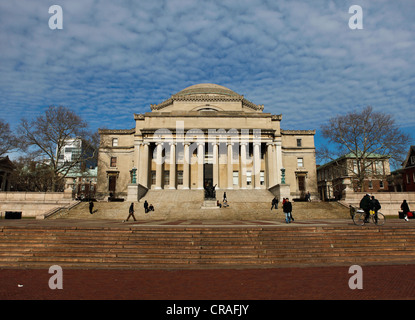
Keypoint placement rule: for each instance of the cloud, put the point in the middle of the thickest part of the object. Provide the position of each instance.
(297, 58)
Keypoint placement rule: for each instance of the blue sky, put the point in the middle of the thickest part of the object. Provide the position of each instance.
(298, 58)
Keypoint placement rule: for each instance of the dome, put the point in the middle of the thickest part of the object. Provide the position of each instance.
(206, 88)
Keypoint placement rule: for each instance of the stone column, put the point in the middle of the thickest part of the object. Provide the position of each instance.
(230, 166)
(272, 164)
(243, 165)
(172, 173)
(186, 166)
(200, 160)
(215, 164)
(257, 164)
(278, 155)
(143, 174)
(159, 164)
(137, 157)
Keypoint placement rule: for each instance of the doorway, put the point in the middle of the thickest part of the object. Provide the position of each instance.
(207, 175)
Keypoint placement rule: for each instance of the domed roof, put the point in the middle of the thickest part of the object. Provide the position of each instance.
(206, 88)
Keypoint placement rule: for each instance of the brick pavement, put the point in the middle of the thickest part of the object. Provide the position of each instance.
(313, 283)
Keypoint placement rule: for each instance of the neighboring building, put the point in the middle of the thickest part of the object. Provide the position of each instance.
(74, 151)
(83, 184)
(403, 179)
(205, 135)
(340, 174)
(6, 169)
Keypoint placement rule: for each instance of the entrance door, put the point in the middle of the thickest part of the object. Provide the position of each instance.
(301, 183)
(112, 183)
(207, 175)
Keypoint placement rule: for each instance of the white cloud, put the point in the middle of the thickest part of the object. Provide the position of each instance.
(295, 57)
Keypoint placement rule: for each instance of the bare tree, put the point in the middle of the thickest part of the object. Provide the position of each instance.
(47, 135)
(8, 141)
(362, 136)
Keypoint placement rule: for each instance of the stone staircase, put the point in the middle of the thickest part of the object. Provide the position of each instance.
(187, 204)
(128, 247)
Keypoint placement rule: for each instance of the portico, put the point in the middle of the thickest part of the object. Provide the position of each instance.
(206, 135)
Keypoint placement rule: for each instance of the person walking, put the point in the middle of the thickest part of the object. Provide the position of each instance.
(405, 209)
(131, 212)
(287, 208)
(224, 197)
(91, 207)
(274, 203)
(365, 205)
(145, 206)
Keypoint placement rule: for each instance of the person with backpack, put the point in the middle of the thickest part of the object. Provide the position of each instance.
(365, 206)
(375, 206)
(287, 208)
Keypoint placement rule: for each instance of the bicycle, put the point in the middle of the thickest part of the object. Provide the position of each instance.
(359, 218)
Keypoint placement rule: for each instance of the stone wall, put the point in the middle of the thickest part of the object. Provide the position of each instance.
(33, 204)
(390, 201)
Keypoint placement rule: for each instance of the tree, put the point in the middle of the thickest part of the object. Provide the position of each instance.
(46, 138)
(363, 136)
(8, 141)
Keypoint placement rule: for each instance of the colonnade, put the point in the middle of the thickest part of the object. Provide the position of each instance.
(270, 163)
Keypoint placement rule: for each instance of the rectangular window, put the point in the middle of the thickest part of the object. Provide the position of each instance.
(235, 178)
(412, 160)
(299, 142)
(300, 162)
(248, 178)
(179, 177)
(381, 186)
(166, 177)
(115, 142)
(262, 178)
(370, 184)
(113, 162)
(153, 177)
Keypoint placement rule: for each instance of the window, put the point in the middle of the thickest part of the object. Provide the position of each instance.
(248, 178)
(166, 177)
(299, 143)
(370, 184)
(115, 142)
(412, 160)
(413, 177)
(180, 177)
(153, 177)
(407, 179)
(261, 178)
(300, 162)
(113, 162)
(235, 178)
(381, 185)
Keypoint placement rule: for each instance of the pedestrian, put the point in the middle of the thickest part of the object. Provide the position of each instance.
(91, 207)
(151, 208)
(405, 209)
(375, 206)
(218, 204)
(274, 203)
(308, 196)
(365, 206)
(145, 206)
(224, 197)
(131, 212)
(287, 208)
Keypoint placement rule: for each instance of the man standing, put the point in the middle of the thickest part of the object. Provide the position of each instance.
(91, 207)
(287, 208)
(375, 206)
(145, 206)
(365, 205)
(405, 209)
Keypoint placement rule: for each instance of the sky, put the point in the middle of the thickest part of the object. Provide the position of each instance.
(297, 58)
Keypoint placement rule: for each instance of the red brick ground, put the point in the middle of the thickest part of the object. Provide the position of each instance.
(327, 283)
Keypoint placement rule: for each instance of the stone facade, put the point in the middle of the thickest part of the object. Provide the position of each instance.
(206, 135)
